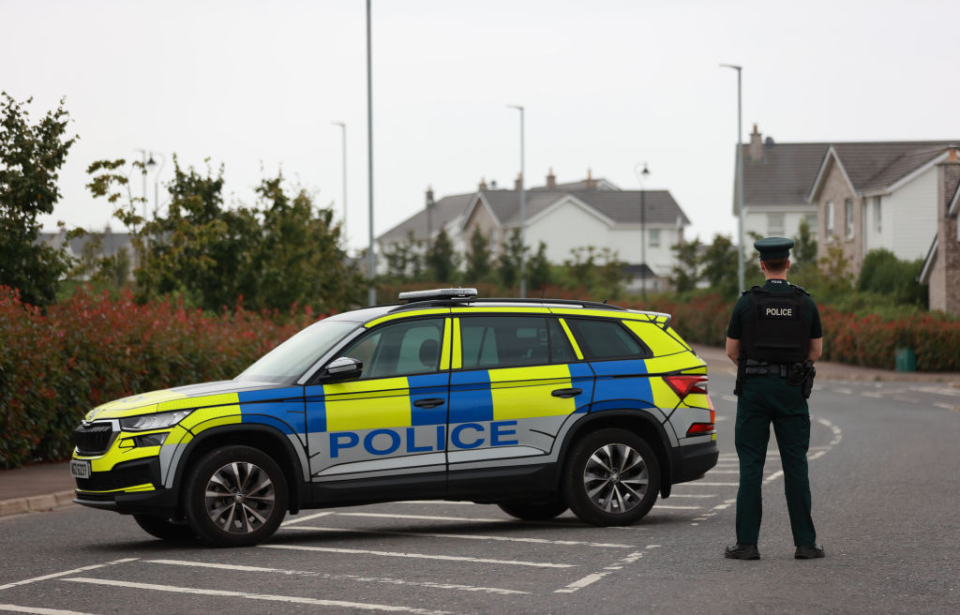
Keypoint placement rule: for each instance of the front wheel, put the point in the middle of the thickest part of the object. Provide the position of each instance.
(612, 478)
(235, 496)
(534, 512)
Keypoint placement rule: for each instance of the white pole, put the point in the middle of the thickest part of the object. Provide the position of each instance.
(371, 258)
(739, 185)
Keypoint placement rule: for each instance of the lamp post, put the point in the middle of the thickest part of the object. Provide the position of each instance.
(739, 180)
(156, 179)
(641, 176)
(344, 164)
(523, 209)
(371, 258)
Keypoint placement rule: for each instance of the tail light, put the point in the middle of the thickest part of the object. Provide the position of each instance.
(701, 428)
(687, 384)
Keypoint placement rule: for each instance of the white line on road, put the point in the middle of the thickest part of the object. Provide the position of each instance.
(870, 394)
(446, 558)
(63, 574)
(337, 577)
(724, 472)
(251, 596)
(453, 502)
(542, 541)
(705, 484)
(693, 495)
(40, 611)
(843, 391)
(669, 507)
(420, 517)
(728, 397)
(779, 473)
(596, 576)
(940, 404)
(307, 518)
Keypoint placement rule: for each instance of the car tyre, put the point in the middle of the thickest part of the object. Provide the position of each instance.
(534, 512)
(612, 478)
(165, 529)
(235, 496)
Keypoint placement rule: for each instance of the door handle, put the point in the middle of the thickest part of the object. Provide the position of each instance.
(566, 393)
(431, 402)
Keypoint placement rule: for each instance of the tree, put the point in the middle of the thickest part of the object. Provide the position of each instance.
(478, 258)
(611, 275)
(805, 247)
(441, 260)
(719, 263)
(882, 272)
(30, 159)
(834, 270)
(539, 272)
(509, 262)
(404, 259)
(687, 272)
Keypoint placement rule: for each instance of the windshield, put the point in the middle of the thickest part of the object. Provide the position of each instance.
(289, 360)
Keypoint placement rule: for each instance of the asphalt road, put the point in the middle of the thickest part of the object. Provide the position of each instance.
(886, 492)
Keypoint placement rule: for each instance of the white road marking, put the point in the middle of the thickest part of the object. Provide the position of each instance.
(41, 611)
(337, 577)
(596, 576)
(724, 472)
(940, 404)
(721, 507)
(307, 518)
(816, 455)
(692, 495)
(779, 473)
(543, 541)
(843, 391)
(653, 546)
(873, 395)
(671, 507)
(698, 483)
(728, 397)
(419, 517)
(363, 606)
(63, 574)
(446, 558)
(948, 392)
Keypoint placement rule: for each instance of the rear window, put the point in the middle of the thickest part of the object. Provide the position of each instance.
(606, 339)
(512, 341)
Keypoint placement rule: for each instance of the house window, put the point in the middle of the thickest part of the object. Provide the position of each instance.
(877, 215)
(848, 216)
(811, 221)
(775, 225)
(654, 238)
(828, 223)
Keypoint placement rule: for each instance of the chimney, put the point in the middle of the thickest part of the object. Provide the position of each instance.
(756, 146)
(429, 199)
(430, 206)
(483, 184)
(493, 184)
(518, 182)
(551, 180)
(589, 183)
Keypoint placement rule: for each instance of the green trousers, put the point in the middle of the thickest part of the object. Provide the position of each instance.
(766, 400)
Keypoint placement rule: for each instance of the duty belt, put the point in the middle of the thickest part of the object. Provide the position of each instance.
(762, 368)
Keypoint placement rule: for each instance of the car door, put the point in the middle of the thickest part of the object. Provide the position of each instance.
(392, 419)
(515, 382)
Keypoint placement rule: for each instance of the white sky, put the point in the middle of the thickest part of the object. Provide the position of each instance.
(606, 84)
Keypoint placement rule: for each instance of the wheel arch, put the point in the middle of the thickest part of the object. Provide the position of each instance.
(262, 437)
(639, 422)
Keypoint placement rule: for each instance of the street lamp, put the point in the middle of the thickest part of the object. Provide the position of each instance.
(523, 210)
(156, 178)
(344, 127)
(739, 180)
(641, 176)
(371, 258)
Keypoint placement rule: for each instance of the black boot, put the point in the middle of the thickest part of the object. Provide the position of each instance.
(739, 551)
(809, 552)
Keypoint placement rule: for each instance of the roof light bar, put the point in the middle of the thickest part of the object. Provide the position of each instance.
(438, 293)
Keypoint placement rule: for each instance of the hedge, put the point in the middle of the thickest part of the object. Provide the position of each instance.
(56, 365)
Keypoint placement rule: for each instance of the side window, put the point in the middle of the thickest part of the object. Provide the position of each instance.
(512, 341)
(399, 349)
(605, 339)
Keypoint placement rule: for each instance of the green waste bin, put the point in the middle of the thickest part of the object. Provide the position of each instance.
(905, 360)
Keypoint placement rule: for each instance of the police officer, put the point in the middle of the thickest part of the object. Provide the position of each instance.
(774, 337)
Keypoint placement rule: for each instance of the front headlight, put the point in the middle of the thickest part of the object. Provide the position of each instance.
(153, 421)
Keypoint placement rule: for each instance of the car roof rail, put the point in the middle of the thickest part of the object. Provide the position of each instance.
(432, 300)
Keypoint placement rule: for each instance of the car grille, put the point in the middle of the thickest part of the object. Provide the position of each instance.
(122, 475)
(93, 439)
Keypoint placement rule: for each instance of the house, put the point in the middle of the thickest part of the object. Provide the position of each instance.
(564, 216)
(776, 182)
(941, 268)
(878, 195)
(91, 246)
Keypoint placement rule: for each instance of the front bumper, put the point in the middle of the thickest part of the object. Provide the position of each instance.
(132, 487)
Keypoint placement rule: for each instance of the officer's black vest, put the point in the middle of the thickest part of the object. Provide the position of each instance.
(776, 330)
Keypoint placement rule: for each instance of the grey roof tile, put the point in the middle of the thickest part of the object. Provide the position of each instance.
(785, 174)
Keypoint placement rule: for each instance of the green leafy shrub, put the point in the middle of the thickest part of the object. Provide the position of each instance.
(91, 349)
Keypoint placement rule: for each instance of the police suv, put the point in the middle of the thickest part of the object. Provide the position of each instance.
(534, 405)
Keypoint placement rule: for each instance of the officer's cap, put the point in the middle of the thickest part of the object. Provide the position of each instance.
(773, 247)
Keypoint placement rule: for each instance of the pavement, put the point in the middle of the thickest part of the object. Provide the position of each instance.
(43, 487)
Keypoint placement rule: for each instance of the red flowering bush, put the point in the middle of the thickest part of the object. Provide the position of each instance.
(88, 350)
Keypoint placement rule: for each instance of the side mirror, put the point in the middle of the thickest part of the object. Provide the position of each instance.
(343, 368)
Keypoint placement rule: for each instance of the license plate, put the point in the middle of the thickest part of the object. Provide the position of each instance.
(80, 469)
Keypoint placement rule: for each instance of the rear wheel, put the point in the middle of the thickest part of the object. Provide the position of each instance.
(534, 512)
(613, 478)
(235, 496)
(165, 529)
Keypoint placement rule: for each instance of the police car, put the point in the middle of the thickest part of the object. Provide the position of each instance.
(534, 405)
